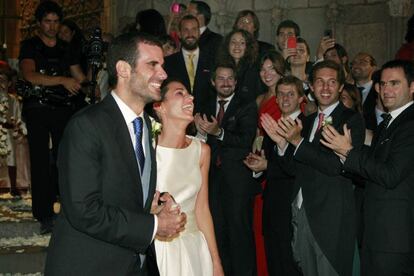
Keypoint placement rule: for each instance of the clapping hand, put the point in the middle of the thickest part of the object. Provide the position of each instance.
(255, 162)
(272, 129)
(340, 144)
(290, 130)
(210, 127)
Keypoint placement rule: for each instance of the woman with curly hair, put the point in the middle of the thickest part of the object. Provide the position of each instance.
(240, 48)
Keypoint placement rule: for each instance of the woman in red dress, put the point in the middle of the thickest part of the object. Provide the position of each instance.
(272, 68)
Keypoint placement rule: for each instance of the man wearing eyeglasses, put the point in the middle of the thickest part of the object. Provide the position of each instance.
(387, 165)
(323, 210)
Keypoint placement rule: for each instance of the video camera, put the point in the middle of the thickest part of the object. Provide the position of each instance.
(94, 48)
(94, 51)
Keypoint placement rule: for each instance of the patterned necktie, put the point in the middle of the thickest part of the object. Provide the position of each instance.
(382, 128)
(220, 113)
(139, 151)
(320, 122)
(190, 70)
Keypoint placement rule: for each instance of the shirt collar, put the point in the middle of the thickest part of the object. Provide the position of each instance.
(366, 86)
(203, 29)
(228, 99)
(398, 111)
(128, 114)
(329, 109)
(295, 114)
(196, 52)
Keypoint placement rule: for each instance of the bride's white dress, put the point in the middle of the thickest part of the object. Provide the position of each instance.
(178, 173)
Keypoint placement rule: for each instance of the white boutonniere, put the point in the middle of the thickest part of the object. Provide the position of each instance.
(327, 121)
(156, 128)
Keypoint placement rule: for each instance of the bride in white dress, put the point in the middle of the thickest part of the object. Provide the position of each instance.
(182, 171)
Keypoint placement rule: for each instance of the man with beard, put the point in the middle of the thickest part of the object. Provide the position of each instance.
(191, 64)
(209, 40)
(229, 126)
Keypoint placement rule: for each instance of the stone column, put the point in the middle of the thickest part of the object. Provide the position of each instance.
(399, 10)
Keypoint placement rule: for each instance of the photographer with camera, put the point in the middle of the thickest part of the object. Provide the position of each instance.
(47, 61)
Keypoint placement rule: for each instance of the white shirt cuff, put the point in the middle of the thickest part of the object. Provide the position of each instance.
(300, 143)
(155, 228)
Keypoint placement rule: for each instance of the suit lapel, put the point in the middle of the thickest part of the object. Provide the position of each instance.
(308, 124)
(231, 110)
(124, 143)
(404, 116)
(152, 181)
(337, 121)
(182, 70)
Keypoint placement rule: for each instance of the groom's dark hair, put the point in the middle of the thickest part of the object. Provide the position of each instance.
(125, 47)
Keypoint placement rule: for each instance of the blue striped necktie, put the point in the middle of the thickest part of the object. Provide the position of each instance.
(139, 151)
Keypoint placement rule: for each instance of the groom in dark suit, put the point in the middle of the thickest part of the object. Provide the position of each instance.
(387, 166)
(107, 173)
(229, 125)
(323, 212)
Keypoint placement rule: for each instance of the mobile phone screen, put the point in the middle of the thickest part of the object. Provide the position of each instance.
(291, 42)
(175, 8)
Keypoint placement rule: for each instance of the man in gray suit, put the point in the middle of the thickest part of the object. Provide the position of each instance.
(107, 173)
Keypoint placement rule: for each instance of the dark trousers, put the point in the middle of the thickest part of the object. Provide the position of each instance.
(376, 263)
(233, 225)
(44, 123)
(277, 231)
(306, 250)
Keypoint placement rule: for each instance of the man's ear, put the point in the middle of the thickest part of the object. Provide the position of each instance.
(411, 88)
(123, 69)
(377, 88)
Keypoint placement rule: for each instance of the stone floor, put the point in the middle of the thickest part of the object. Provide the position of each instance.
(22, 249)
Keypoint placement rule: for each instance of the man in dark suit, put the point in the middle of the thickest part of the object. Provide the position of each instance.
(363, 68)
(278, 193)
(323, 212)
(387, 166)
(209, 41)
(107, 173)
(229, 125)
(191, 65)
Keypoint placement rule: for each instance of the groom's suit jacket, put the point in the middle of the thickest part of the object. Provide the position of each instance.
(328, 196)
(103, 225)
(387, 167)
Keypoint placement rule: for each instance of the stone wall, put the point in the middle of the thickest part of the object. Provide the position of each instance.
(374, 26)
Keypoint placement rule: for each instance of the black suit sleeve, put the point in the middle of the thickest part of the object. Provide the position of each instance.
(81, 184)
(389, 167)
(324, 159)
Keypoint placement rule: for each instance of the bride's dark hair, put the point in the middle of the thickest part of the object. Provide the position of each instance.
(164, 89)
